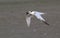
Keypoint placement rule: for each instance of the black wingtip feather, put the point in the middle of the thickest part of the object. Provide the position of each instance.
(46, 23)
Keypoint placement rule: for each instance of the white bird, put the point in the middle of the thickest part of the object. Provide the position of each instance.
(30, 14)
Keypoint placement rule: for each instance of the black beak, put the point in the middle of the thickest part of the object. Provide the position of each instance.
(27, 13)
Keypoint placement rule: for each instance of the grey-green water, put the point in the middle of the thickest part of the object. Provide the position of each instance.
(13, 24)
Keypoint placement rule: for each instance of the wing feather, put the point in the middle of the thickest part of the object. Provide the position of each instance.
(28, 20)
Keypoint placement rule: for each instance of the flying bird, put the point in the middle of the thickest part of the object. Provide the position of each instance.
(37, 14)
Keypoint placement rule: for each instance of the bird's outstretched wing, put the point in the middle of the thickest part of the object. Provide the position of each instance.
(42, 13)
(28, 20)
(41, 18)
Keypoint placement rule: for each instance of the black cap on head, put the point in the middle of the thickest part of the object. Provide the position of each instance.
(27, 13)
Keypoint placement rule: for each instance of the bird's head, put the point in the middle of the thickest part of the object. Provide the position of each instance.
(29, 12)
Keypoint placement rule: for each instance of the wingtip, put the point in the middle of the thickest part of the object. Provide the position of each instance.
(46, 23)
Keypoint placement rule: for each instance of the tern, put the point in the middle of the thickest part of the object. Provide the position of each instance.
(37, 14)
